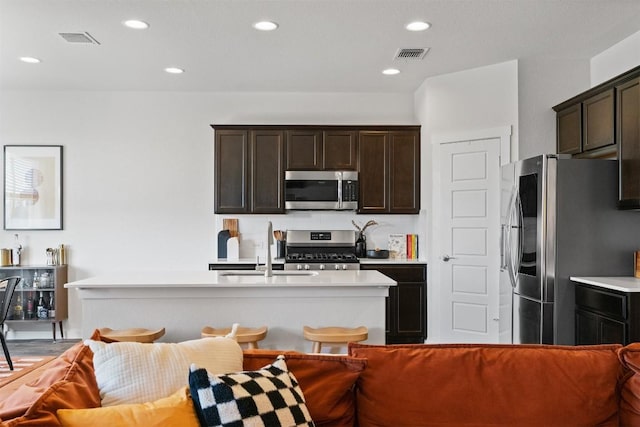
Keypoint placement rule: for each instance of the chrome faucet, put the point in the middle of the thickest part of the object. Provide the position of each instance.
(268, 270)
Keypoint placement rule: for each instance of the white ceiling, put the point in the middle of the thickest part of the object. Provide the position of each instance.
(321, 45)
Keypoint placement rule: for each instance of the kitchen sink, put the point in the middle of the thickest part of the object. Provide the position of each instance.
(261, 273)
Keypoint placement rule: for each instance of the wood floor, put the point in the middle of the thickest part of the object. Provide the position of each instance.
(38, 347)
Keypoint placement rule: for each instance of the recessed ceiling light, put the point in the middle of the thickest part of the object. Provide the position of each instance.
(417, 26)
(136, 24)
(29, 59)
(265, 26)
(174, 70)
(391, 71)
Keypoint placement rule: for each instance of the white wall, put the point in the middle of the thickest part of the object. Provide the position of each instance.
(467, 101)
(543, 83)
(138, 172)
(619, 58)
(477, 99)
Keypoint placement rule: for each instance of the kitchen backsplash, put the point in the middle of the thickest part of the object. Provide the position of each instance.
(253, 228)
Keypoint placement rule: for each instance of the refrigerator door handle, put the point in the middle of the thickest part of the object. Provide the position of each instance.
(511, 272)
(503, 248)
(505, 235)
(520, 227)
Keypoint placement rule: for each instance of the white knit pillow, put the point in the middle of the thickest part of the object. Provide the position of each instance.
(131, 372)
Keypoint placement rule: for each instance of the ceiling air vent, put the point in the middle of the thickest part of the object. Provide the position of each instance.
(79, 38)
(412, 53)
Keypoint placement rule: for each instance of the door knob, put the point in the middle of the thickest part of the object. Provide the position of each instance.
(446, 258)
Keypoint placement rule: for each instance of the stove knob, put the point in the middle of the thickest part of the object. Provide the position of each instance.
(299, 267)
(321, 267)
(337, 267)
(306, 266)
(344, 266)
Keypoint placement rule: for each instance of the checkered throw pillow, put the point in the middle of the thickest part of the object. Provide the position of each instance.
(268, 397)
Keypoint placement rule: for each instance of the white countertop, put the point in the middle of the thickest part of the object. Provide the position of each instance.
(391, 261)
(621, 283)
(246, 261)
(235, 279)
(362, 261)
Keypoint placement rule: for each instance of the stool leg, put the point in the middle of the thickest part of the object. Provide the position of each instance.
(317, 345)
(253, 345)
(6, 350)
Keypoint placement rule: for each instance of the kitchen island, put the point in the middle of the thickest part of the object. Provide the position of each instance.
(184, 302)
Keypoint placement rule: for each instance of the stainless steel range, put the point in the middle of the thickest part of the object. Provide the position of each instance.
(321, 250)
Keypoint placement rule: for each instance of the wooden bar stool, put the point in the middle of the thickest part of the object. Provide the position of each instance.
(132, 335)
(334, 335)
(250, 336)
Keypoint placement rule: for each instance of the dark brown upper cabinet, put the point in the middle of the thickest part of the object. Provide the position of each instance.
(389, 166)
(317, 149)
(373, 177)
(304, 150)
(231, 171)
(250, 162)
(569, 129)
(598, 121)
(628, 139)
(609, 118)
(339, 150)
(267, 171)
(588, 124)
(249, 171)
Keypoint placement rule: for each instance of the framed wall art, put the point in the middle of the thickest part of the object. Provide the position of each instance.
(33, 187)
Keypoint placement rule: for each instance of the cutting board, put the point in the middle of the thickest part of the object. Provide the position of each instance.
(231, 224)
(223, 236)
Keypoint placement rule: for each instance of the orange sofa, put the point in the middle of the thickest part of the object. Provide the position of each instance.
(407, 385)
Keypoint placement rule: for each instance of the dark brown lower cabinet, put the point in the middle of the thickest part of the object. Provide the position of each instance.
(605, 316)
(592, 329)
(406, 317)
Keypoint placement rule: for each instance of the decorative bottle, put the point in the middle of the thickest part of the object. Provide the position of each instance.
(361, 246)
(29, 314)
(62, 255)
(16, 251)
(42, 310)
(52, 307)
(18, 313)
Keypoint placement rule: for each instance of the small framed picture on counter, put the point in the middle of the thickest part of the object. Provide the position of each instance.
(33, 187)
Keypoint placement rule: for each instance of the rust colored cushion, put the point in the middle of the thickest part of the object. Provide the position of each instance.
(326, 381)
(630, 387)
(496, 385)
(69, 382)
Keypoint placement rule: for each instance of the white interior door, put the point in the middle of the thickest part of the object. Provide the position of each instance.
(469, 248)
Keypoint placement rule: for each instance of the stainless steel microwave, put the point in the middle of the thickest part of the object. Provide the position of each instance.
(321, 190)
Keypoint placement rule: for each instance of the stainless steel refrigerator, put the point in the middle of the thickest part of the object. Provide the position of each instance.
(559, 219)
